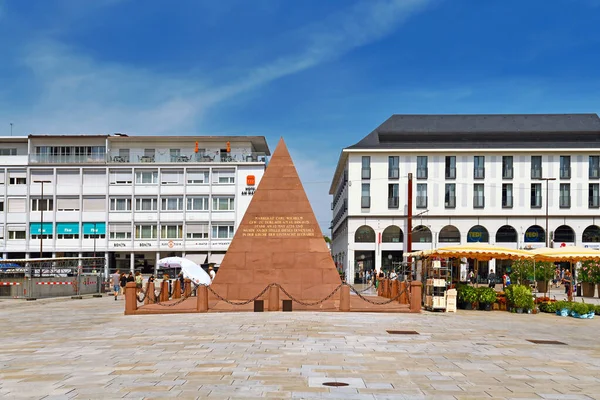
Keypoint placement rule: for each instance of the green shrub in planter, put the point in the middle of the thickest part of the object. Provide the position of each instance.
(486, 295)
(548, 307)
(579, 308)
(521, 297)
(591, 308)
(467, 294)
(598, 310)
(563, 305)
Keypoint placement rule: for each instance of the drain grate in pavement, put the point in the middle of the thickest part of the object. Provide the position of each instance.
(546, 342)
(336, 384)
(403, 332)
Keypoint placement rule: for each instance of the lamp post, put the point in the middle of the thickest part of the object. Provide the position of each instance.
(547, 184)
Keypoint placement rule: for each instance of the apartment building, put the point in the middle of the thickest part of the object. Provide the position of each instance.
(131, 199)
(475, 178)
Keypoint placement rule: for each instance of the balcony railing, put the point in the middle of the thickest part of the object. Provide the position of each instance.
(365, 202)
(394, 173)
(67, 159)
(186, 158)
(393, 202)
(366, 173)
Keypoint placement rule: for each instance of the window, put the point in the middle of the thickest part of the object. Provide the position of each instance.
(222, 231)
(594, 167)
(594, 195)
(120, 177)
(17, 205)
(536, 195)
(478, 196)
(145, 232)
(94, 204)
(67, 204)
(565, 167)
(366, 167)
(94, 178)
(197, 177)
(393, 167)
(393, 195)
(42, 204)
(67, 230)
(120, 204)
(450, 167)
(507, 167)
(365, 199)
(16, 233)
(146, 204)
(171, 231)
(507, 195)
(450, 195)
(8, 152)
(479, 167)
(171, 177)
(17, 181)
(223, 176)
(421, 195)
(124, 154)
(119, 231)
(197, 203)
(1, 205)
(146, 177)
(64, 154)
(536, 167)
(175, 154)
(565, 195)
(421, 167)
(197, 231)
(223, 203)
(172, 204)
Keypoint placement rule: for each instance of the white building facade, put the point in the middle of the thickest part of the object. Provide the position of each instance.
(475, 178)
(132, 200)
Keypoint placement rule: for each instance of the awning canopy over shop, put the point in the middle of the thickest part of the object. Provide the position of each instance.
(216, 258)
(567, 254)
(478, 251)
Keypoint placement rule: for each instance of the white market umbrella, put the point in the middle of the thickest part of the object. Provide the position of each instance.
(189, 268)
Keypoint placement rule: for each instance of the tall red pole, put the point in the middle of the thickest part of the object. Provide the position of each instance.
(409, 213)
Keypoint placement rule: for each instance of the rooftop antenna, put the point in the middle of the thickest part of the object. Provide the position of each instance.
(11, 125)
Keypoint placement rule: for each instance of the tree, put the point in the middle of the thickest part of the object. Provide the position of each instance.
(327, 239)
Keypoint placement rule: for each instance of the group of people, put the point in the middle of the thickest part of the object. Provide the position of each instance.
(371, 277)
(119, 280)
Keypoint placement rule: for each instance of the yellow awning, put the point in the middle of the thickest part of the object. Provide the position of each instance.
(569, 253)
(479, 251)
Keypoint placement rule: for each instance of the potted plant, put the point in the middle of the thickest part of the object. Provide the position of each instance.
(522, 271)
(521, 298)
(563, 308)
(544, 272)
(467, 295)
(486, 296)
(588, 275)
(501, 300)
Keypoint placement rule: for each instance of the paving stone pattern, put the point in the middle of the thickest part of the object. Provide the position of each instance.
(72, 349)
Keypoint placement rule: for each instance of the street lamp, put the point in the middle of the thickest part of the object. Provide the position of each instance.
(41, 207)
(547, 184)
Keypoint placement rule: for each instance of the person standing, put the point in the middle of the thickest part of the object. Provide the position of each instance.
(492, 279)
(123, 283)
(115, 281)
(139, 280)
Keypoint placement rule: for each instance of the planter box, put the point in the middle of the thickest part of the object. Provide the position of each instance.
(542, 286)
(588, 289)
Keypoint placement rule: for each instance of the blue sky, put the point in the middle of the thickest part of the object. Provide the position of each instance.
(322, 74)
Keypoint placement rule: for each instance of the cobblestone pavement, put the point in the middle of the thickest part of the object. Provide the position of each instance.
(60, 349)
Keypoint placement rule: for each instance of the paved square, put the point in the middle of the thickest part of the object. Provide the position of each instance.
(63, 349)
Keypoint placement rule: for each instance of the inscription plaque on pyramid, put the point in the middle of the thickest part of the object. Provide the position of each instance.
(278, 241)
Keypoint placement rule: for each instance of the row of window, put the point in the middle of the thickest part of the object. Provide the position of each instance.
(564, 198)
(220, 230)
(479, 167)
(96, 204)
(127, 177)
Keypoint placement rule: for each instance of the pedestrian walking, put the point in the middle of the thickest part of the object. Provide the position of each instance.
(123, 283)
(139, 280)
(492, 279)
(115, 282)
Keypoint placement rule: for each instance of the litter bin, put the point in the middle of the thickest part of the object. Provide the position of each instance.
(578, 293)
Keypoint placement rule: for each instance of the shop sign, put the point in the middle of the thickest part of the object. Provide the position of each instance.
(221, 244)
(171, 244)
(119, 244)
(144, 244)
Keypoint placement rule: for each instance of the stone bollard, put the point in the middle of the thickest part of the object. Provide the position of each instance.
(164, 291)
(187, 291)
(345, 298)
(380, 288)
(386, 288)
(394, 292)
(130, 298)
(274, 298)
(404, 296)
(415, 296)
(176, 289)
(150, 296)
(202, 298)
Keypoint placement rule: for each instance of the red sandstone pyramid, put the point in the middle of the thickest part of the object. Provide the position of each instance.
(278, 241)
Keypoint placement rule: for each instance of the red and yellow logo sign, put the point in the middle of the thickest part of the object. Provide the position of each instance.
(250, 180)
